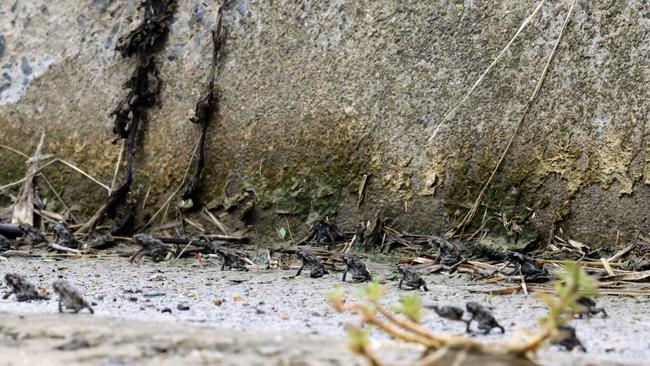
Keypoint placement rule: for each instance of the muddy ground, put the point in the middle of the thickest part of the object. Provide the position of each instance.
(257, 317)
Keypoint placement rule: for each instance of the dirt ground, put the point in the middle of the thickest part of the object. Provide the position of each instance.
(257, 317)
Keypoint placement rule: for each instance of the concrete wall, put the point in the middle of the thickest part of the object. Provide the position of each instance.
(315, 94)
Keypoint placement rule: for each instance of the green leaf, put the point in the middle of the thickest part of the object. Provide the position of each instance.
(282, 232)
(574, 277)
(335, 297)
(411, 307)
(373, 292)
(359, 338)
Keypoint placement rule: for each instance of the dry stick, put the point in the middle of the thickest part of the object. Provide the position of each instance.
(184, 249)
(362, 191)
(27, 177)
(61, 248)
(23, 212)
(56, 160)
(203, 112)
(460, 358)
(348, 245)
(146, 197)
(470, 214)
(608, 268)
(117, 168)
(56, 194)
(417, 329)
(433, 358)
(166, 203)
(44, 178)
(368, 317)
(14, 151)
(288, 227)
(195, 225)
(78, 170)
(494, 62)
(49, 215)
(414, 333)
(215, 221)
(621, 253)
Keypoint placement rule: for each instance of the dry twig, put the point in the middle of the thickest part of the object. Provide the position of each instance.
(24, 205)
(470, 214)
(489, 68)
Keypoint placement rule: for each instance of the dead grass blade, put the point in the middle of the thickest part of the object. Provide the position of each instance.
(642, 276)
(489, 68)
(14, 151)
(195, 225)
(499, 291)
(118, 164)
(215, 221)
(165, 205)
(362, 191)
(61, 248)
(608, 268)
(24, 205)
(621, 253)
(78, 170)
(58, 197)
(25, 178)
(470, 214)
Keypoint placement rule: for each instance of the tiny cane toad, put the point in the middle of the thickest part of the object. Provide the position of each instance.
(568, 339)
(484, 318)
(31, 235)
(325, 230)
(63, 236)
(448, 254)
(356, 268)
(5, 244)
(152, 247)
(410, 278)
(232, 260)
(70, 298)
(23, 289)
(309, 260)
(532, 270)
(589, 308)
(449, 312)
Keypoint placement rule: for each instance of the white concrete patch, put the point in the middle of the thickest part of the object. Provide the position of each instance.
(15, 79)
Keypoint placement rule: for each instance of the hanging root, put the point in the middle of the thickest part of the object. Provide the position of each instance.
(205, 108)
(153, 29)
(143, 92)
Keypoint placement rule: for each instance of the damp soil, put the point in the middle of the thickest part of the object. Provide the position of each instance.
(258, 317)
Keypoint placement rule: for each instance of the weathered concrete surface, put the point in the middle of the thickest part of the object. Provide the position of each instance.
(316, 94)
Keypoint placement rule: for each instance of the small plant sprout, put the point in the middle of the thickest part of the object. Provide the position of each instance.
(410, 307)
(574, 283)
(373, 292)
(282, 233)
(403, 323)
(360, 343)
